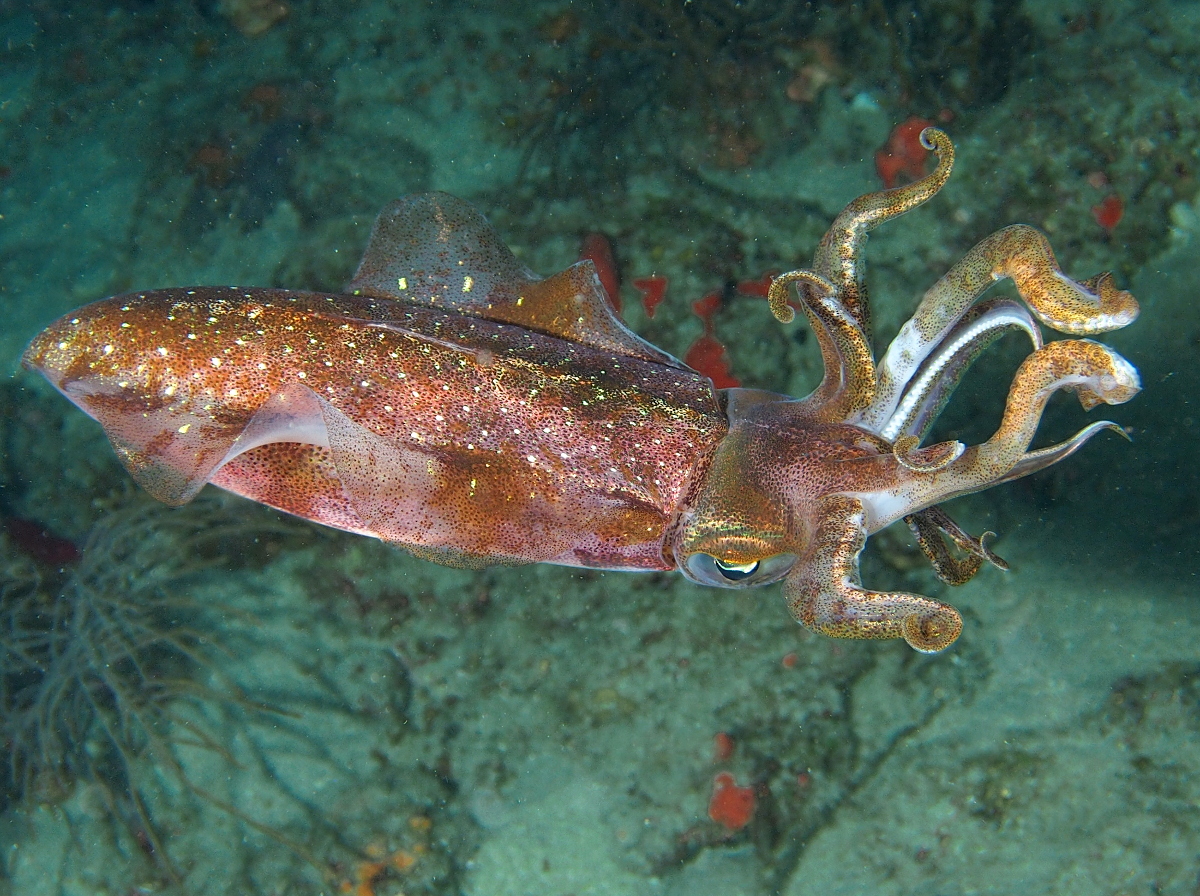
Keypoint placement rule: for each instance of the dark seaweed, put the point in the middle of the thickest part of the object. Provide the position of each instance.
(96, 658)
(629, 84)
(643, 73)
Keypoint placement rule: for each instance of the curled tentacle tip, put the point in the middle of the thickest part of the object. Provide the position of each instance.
(939, 141)
(783, 312)
(932, 632)
(994, 559)
(928, 459)
(1101, 376)
(931, 137)
(1125, 306)
(1104, 307)
(777, 294)
(1116, 385)
(777, 301)
(942, 146)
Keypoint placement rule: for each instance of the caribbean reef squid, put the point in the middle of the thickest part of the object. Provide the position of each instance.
(455, 404)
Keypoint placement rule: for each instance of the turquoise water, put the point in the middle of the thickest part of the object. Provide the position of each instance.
(218, 699)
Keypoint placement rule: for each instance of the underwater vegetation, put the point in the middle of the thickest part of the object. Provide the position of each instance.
(157, 706)
(943, 53)
(713, 61)
(250, 140)
(98, 657)
(733, 80)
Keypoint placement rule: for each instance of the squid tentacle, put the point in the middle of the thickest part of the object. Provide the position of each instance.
(929, 525)
(1096, 373)
(1022, 254)
(825, 593)
(928, 459)
(839, 255)
(1032, 461)
(848, 384)
(948, 568)
(913, 409)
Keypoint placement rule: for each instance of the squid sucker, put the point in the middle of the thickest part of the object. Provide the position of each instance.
(454, 404)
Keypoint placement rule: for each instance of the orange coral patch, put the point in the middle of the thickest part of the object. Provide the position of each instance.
(653, 290)
(730, 805)
(903, 153)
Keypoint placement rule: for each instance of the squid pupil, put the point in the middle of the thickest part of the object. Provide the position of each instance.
(735, 572)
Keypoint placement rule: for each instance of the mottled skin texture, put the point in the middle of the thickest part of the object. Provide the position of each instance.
(455, 404)
(468, 440)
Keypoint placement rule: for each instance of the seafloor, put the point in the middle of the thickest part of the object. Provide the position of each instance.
(222, 701)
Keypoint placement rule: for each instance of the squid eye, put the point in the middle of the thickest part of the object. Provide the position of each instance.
(735, 572)
(709, 570)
